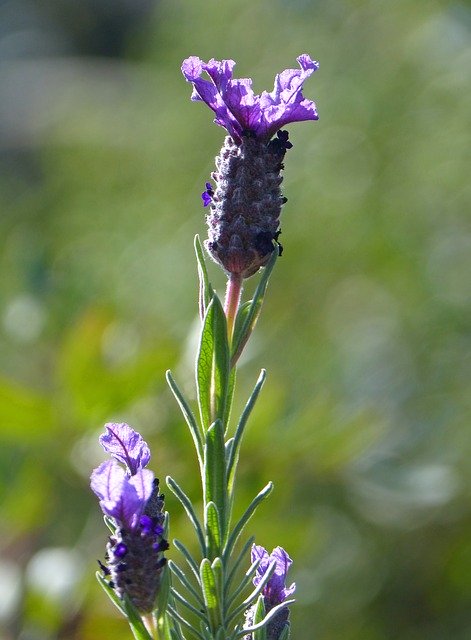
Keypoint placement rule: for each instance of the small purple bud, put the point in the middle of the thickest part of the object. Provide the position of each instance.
(120, 550)
(206, 198)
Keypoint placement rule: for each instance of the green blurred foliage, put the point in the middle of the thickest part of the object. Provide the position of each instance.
(363, 422)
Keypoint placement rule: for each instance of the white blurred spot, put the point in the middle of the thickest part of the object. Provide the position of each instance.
(55, 572)
(400, 496)
(10, 588)
(24, 318)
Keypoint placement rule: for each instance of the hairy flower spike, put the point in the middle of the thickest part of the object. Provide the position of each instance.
(245, 204)
(130, 496)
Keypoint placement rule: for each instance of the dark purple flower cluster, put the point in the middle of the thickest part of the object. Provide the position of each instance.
(130, 496)
(275, 591)
(245, 205)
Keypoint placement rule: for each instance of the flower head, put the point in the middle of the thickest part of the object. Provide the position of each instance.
(245, 204)
(274, 592)
(238, 109)
(129, 496)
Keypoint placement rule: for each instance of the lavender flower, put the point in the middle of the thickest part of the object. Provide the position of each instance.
(130, 497)
(275, 591)
(245, 205)
(242, 112)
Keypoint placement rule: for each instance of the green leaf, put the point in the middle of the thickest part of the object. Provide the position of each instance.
(249, 312)
(270, 615)
(188, 415)
(196, 612)
(264, 493)
(111, 593)
(206, 291)
(188, 557)
(235, 448)
(218, 571)
(236, 565)
(229, 397)
(210, 593)
(163, 595)
(213, 365)
(260, 634)
(212, 527)
(176, 571)
(181, 620)
(110, 523)
(215, 472)
(187, 505)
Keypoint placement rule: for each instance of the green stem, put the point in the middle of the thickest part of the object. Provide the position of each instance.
(231, 303)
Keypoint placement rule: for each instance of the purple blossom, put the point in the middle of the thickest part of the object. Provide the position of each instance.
(207, 195)
(122, 497)
(239, 110)
(130, 496)
(275, 591)
(126, 445)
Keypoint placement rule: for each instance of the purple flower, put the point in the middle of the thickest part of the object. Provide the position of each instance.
(275, 591)
(207, 195)
(122, 497)
(129, 495)
(126, 445)
(242, 112)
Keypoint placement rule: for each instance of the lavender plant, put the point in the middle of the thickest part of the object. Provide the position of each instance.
(206, 598)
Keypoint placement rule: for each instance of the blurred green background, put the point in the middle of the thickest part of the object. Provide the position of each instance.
(363, 422)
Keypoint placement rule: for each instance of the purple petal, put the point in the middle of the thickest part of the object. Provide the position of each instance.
(275, 589)
(122, 497)
(206, 198)
(236, 106)
(126, 445)
(210, 92)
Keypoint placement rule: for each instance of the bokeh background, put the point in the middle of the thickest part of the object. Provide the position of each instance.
(363, 422)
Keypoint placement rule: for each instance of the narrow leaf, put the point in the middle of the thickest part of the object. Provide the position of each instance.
(212, 527)
(271, 614)
(175, 569)
(187, 414)
(249, 315)
(215, 472)
(213, 365)
(188, 557)
(206, 291)
(178, 618)
(111, 593)
(234, 452)
(186, 503)
(236, 565)
(178, 596)
(245, 518)
(260, 634)
(210, 593)
(163, 595)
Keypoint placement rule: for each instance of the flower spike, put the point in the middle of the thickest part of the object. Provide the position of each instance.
(129, 495)
(245, 204)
